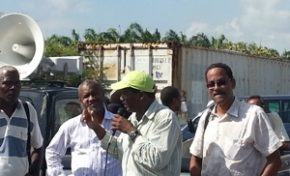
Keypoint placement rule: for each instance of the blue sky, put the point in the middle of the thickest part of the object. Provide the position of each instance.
(265, 22)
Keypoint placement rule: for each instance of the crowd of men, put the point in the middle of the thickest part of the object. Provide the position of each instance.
(138, 135)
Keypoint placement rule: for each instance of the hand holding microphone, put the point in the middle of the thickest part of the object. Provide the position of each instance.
(121, 123)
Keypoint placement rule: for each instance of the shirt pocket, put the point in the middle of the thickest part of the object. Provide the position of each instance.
(237, 149)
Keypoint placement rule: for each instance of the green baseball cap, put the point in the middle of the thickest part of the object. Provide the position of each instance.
(137, 80)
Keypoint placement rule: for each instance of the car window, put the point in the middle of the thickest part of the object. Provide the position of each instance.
(274, 106)
(38, 100)
(35, 98)
(282, 107)
(286, 111)
(64, 110)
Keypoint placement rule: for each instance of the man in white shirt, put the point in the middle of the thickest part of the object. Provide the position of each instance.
(274, 118)
(88, 158)
(234, 138)
(150, 140)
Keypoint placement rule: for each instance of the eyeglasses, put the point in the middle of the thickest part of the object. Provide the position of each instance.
(218, 83)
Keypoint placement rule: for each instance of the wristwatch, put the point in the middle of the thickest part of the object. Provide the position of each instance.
(133, 134)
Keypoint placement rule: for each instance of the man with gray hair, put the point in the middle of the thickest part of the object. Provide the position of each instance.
(150, 140)
(88, 158)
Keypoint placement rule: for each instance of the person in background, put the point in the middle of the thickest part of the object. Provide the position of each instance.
(234, 138)
(183, 108)
(150, 140)
(275, 120)
(14, 129)
(88, 158)
(171, 98)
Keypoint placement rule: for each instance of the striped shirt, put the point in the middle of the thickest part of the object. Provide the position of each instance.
(13, 140)
(88, 158)
(156, 151)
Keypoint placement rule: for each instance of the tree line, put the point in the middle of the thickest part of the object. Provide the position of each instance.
(56, 45)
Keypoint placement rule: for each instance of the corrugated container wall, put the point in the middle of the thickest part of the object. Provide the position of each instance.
(184, 67)
(253, 75)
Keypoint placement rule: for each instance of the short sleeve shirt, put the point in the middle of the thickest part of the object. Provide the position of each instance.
(278, 126)
(13, 140)
(235, 144)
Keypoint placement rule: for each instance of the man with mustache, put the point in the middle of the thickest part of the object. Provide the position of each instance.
(88, 158)
(235, 138)
(150, 140)
(14, 137)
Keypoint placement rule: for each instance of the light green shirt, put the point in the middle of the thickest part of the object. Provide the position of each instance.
(156, 151)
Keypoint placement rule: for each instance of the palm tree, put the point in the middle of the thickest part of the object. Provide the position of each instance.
(134, 33)
(75, 36)
(90, 35)
(111, 36)
(218, 43)
(286, 54)
(171, 36)
(200, 40)
(156, 36)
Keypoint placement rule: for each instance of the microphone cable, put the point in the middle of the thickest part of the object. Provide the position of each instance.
(120, 112)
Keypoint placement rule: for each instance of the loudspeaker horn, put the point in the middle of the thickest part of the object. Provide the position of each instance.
(21, 43)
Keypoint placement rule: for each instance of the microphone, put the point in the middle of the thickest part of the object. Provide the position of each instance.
(121, 111)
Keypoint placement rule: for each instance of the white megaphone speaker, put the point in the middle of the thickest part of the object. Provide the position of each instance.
(21, 43)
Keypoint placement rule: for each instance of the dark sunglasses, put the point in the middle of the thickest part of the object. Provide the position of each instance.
(219, 83)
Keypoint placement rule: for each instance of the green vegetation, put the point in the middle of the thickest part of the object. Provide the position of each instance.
(67, 46)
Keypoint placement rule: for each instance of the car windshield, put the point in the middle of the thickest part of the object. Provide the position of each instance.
(38, 100)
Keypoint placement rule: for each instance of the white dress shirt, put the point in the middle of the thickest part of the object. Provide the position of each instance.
(236, 144)
(88, 158)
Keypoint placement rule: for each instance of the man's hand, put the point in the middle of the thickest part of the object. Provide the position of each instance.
(195, 166)
(89, 117)
(273, 164)
(122, 124)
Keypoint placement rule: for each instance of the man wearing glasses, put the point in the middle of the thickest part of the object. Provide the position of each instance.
(234, 138)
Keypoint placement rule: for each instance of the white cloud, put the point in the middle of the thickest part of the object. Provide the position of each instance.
(58, 16)
(63, 6)
(260, 22)
(197, 27)
(58, 7)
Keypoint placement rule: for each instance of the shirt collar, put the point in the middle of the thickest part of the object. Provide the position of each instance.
(153, 108)
(150, 112)
(233, 111)
(108, 115)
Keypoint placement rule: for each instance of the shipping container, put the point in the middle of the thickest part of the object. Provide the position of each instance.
(184, 67)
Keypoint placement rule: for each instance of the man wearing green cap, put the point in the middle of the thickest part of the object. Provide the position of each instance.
(150, 140)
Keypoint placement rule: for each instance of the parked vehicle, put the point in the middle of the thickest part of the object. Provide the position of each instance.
(279, 104)
(51, 101)
(55, 103)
